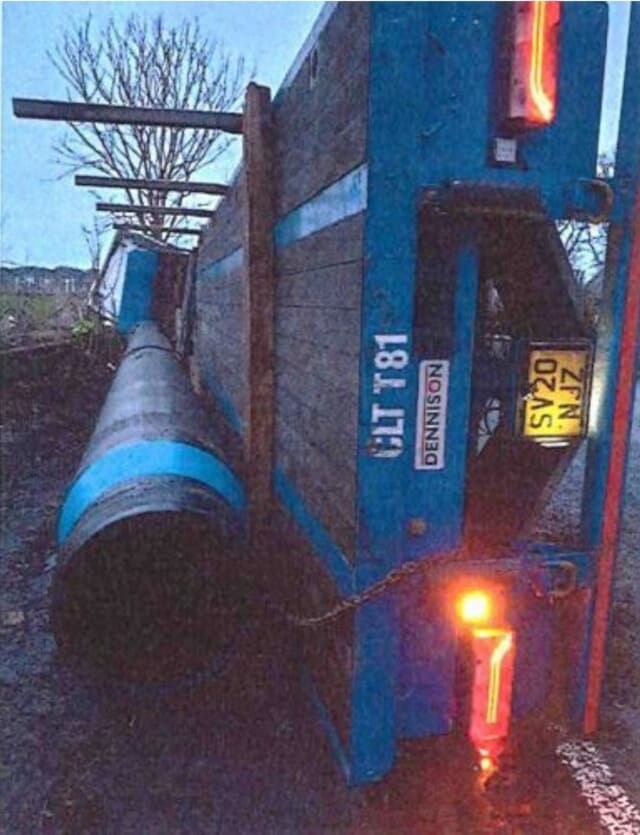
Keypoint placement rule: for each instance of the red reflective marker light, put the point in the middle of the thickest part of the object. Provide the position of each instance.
(494, 656)
(534, 66)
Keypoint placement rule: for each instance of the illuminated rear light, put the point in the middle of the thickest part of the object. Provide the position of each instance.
(534, 68)
(494, 655)
(474, 607)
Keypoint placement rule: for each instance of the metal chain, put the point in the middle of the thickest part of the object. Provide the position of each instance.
(349, 604)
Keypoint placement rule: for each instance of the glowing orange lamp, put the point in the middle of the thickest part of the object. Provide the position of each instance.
(474, 607)
(534, 68)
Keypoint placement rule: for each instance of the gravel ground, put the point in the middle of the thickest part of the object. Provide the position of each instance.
(619, 733)
(242, 753)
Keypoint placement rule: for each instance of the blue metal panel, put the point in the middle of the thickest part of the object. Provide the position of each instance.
(454, 97)
(431, 119)
(424, 691)
(438, 497)
(137, 292)
(388, 290)
(147, 458)
(342, 199)
(373, 721)
(535, 628)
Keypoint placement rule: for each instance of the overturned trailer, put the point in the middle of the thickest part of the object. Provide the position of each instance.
(400, 369)
(385, 314)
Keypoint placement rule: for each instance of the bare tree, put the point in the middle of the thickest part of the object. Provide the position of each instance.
(94, 237)
(586, 247)
(146, 63)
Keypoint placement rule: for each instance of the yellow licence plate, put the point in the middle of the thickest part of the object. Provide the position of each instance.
(556, 405)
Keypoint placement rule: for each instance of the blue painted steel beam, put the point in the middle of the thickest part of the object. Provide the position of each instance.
(431, 121)
(438, 496)
(137, 291)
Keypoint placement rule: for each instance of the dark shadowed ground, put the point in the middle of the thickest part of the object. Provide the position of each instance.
(620, 730)
(241, 752)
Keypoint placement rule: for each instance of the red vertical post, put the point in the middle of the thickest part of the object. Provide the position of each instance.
(615, 478)
(494, 658)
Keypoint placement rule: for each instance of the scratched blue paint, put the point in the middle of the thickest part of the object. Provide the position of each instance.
(388, 290)
(137, 291)
(439, 496)
(334, 561)
(142, 459)
(342, 199)
(455, 128)
(224, 266)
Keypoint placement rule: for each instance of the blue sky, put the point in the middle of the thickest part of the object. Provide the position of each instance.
(42, 216)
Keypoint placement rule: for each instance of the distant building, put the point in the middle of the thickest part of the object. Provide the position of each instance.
(59, 281)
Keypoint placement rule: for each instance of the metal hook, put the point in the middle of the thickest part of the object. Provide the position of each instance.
(568, 572)
(606, 195)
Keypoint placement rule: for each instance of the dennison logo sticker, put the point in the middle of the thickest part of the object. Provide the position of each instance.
(431, 423)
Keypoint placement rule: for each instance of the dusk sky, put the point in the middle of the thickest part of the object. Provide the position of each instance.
(41, 215)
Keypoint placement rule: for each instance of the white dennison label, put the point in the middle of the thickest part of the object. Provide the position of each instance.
(431, 422)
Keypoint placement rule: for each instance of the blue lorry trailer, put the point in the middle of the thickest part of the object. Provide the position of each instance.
(423, 307)
(383, 315)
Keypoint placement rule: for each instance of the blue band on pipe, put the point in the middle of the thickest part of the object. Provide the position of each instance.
(147, 458)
